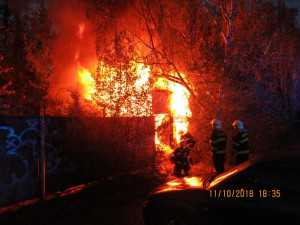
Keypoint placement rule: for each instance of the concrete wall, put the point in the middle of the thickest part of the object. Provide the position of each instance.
(78, 150)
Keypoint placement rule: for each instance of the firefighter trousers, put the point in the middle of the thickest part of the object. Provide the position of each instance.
(218, 161)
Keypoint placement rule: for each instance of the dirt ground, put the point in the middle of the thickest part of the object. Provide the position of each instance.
(116, 202)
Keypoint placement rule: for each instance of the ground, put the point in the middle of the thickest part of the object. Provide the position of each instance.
(111, 202)
(107, 202)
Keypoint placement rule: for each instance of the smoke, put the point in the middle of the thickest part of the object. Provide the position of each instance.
(73, 46)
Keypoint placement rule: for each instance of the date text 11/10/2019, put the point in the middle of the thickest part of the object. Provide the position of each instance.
(244, 193)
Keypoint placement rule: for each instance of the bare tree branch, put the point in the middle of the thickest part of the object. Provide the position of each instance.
(147, 25)
(270, 42)
(138, 37)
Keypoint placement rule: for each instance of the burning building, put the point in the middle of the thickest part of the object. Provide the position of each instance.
(181, 62)
(118, 85)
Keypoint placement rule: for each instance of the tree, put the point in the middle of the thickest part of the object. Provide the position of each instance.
(236, 58)
(25, 49)
(122, 83)
(5, 89)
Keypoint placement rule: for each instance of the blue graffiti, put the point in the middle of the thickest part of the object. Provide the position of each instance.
(12, 146)
(19, 161)
(13, 143)
(10, 143)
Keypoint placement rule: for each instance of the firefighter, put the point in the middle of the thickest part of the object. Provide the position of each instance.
(188, 138)
(180, 159)
(218, 143)
(190, 143)
(240, 142)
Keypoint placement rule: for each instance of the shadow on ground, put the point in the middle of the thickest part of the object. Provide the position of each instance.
(113, 202)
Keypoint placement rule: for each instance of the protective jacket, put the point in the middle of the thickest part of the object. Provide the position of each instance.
(241, 143)
(180, 156)
(218, 141)
(180, 159)
(188, 138)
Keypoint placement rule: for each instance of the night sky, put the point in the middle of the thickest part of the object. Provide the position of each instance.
(294, 4)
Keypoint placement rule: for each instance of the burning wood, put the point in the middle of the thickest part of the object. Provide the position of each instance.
(179, 112)
(114, 87)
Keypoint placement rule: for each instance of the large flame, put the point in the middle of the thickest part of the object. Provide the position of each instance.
(180, 111)
(87, 83)
(180, 108)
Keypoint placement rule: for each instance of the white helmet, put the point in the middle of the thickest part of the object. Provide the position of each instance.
(216, 123)
(180, 132)
(238, 124)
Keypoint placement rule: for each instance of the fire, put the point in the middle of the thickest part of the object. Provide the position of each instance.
(80, 30)
(144, 75)
(180, 108)
(158, 122)
(181, 184)
(193, 181)
(87, 83)
(173, 183)
(159, 118)
(122, 97)
(180, 111)
(109, 86)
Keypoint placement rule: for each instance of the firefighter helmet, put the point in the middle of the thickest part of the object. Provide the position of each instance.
(237, 124)
(181, 132)
(216, 123)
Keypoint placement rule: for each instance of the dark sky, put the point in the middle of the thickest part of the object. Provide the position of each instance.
(294, 4)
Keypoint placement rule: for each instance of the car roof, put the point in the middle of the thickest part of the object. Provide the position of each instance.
(290, 155)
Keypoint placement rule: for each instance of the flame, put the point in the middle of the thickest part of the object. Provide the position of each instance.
(180, 111)
(87, 83)
(144, 75)
(193, 181)
(133, 106)
(181, 184)
(84, 75)
(80, 30)
(158, 122)
(180, 108)
(174, 183)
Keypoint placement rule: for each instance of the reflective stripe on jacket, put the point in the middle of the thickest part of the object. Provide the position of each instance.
(241, 143)
(188, 138)
(218, 142)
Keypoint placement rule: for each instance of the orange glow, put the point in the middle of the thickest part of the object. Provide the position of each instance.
(117, 91)
(159, 118)
(76, 56)
(80, 30)
(193, 181)
(113, 88)
(179, 109)
(173, 183)
(219, 179)
(182, 184)
(87, 82)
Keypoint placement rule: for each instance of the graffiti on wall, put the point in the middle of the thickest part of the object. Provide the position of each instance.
(15, 163)
(77, 150)
(19, 153)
